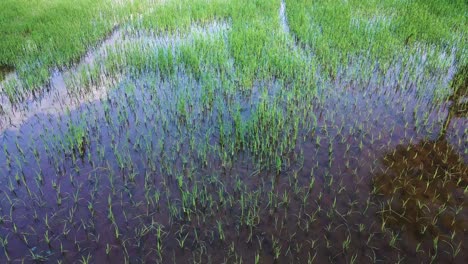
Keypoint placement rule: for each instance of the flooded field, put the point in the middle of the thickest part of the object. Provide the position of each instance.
(134, 155)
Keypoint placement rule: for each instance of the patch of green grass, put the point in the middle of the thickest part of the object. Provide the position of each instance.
(76, 138)
(42, 40)
(179, 15)
(41, 34)
(255, 41)
(334, 30)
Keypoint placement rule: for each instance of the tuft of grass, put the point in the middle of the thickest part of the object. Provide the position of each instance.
(380, 30)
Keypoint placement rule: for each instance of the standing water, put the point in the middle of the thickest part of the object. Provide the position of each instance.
(129, 161)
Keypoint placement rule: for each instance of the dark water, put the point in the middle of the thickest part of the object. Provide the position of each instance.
(287, 173)
(4, 71)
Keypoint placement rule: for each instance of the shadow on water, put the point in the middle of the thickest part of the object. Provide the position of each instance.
(458, 98)
(4, 71)
(423, 185)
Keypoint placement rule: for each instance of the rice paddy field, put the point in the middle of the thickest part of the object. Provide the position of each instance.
(233, 131)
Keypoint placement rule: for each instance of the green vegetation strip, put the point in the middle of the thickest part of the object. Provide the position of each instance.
(40, 35)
